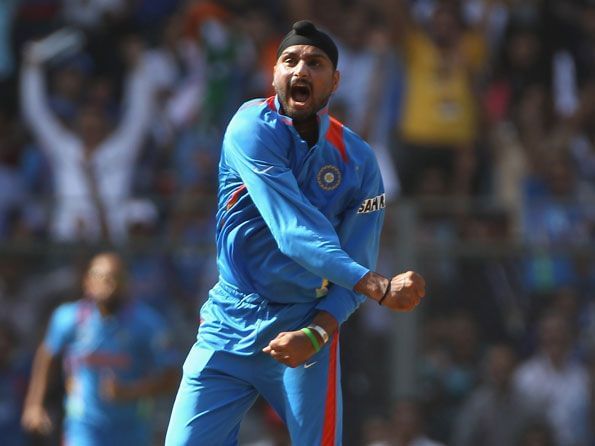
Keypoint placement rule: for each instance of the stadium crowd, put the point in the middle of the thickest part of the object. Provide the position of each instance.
(482, 115)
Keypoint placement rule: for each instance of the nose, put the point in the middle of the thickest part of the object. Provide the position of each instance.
(301, 69)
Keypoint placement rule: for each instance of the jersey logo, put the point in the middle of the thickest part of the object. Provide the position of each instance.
(329, 177)
(262, 171)
(372, 205)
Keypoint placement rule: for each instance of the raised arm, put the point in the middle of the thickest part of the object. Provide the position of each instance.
(138, 106)
(50, 133)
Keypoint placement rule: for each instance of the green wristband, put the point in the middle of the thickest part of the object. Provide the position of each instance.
(312, 337)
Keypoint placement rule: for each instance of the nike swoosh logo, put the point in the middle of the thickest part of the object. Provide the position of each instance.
(263, 170)
(307, 366)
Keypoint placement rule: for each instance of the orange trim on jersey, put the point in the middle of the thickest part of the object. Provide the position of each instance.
(271, 103)
(329, 427)
(234, 197)
(335, 135)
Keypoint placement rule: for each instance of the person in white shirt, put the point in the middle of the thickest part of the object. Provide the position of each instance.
(407, 425)
(557, 385)
(92, 165)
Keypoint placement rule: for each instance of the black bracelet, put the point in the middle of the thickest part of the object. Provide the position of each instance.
(385, 293)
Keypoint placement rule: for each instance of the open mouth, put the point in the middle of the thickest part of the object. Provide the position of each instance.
(300, 93)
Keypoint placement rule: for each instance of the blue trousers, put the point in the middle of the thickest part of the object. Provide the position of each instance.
(225, 372)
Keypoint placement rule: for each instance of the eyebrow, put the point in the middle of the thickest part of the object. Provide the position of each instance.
(318, 54)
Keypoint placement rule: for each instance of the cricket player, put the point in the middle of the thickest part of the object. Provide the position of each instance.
(117, 354)
(300, 211)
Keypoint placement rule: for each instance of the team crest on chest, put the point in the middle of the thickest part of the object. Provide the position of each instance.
(329, 177)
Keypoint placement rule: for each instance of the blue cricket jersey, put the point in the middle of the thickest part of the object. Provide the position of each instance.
(129, 345)
(297, 224)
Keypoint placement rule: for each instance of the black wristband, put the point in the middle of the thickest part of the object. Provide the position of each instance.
(385, 293)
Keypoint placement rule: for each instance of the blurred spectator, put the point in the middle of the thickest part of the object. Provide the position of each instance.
(502, 309)
(26, 292)
(552, 218)
(371, 86)
(13, 190)
(361, 64)
(149, 15)
(439, 123)
(68, 84)
(178, 71)
(449, 372)
(14, 372)
(265, 37)
(537, 434)
(91, 164)
(117, 354)
(494, 414)
(553, 383)
(149, 274)
(408, 426)
(520, 64)
(581, 146)
(7, 60)
(376, 432)
(518, 112)
(188, 233)
(574, 61)
(227, 55)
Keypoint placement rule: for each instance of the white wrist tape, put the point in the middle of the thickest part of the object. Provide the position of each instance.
(321, 331)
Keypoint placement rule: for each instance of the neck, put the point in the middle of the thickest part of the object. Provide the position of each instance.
(308, 129)
(110, 307)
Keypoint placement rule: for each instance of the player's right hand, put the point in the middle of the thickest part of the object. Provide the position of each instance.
(36, 420)
(406, 291)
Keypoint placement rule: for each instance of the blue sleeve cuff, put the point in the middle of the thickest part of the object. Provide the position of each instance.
(340, 303)
(355, 272)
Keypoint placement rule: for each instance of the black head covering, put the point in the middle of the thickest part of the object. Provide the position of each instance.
(305, 33)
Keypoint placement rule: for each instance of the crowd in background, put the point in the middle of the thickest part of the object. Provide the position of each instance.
(482, 116)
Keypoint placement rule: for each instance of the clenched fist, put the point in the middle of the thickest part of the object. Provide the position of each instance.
(291, 348)
(405, 291)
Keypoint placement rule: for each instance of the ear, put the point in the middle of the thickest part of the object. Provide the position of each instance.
(336, 80)
(274, 73)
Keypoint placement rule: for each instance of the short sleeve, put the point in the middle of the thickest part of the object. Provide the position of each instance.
(61, 328)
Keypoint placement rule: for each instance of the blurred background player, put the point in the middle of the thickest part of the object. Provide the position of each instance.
(117, 354)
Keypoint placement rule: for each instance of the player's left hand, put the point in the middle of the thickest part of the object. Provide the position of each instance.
(291, 348)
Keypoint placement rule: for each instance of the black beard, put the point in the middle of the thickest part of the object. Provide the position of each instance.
(302, 115)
